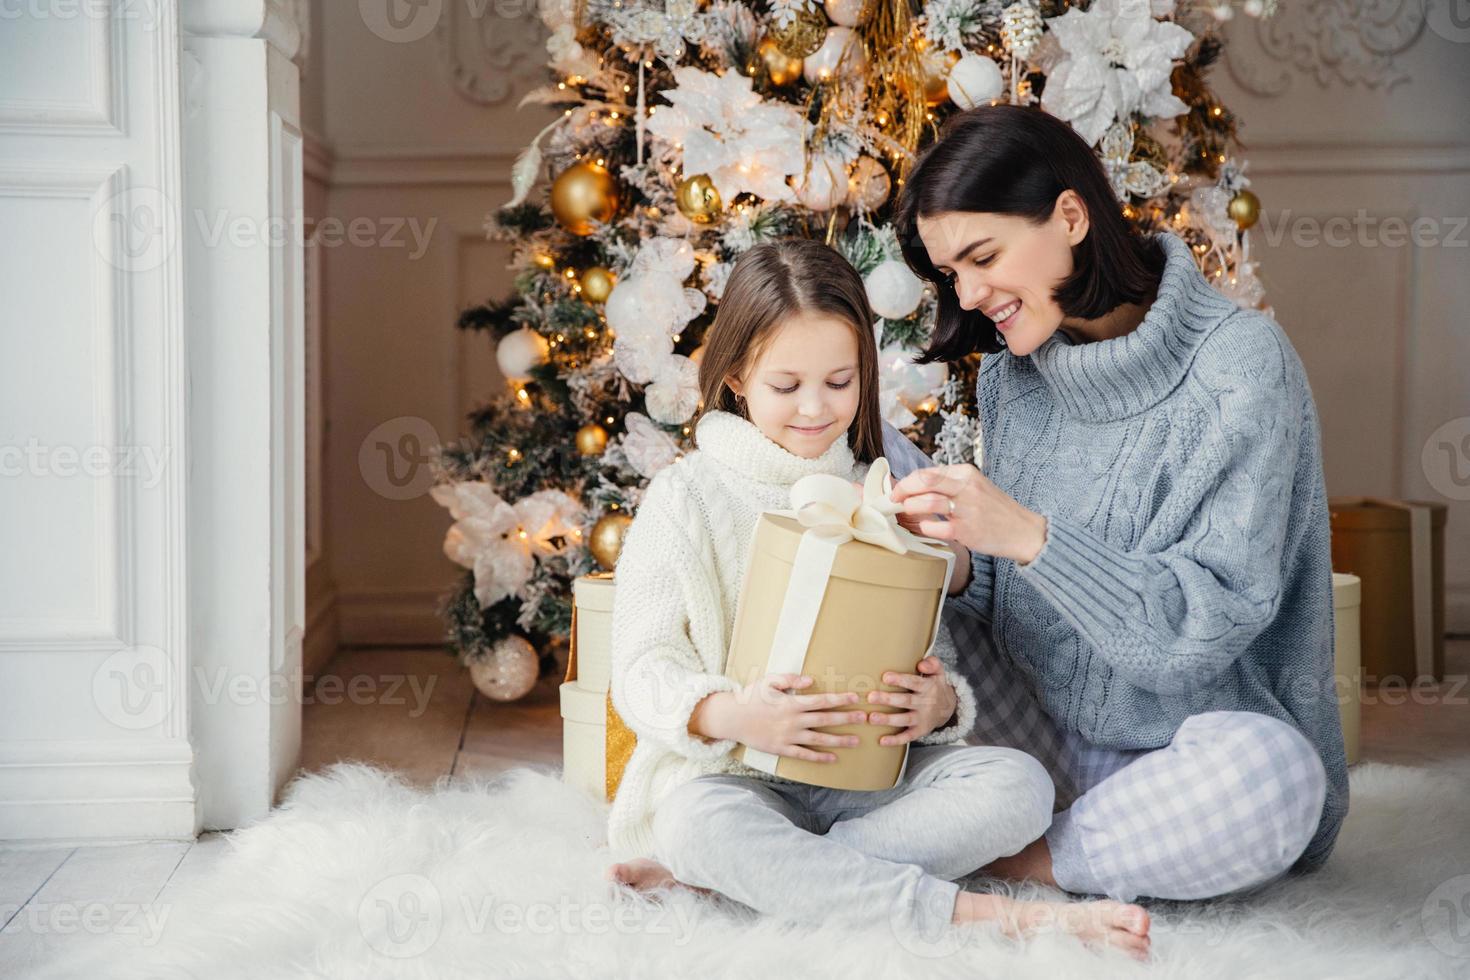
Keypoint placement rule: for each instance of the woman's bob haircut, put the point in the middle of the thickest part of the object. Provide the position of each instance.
(1007, 159)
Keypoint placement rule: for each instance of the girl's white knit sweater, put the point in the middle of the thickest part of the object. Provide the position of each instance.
(678, 582)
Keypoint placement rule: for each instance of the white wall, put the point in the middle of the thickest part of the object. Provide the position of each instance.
(1383, 331)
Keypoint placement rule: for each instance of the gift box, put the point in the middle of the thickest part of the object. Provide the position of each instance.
(1396, 547)
(596, 744)
(1347, 598)
(837, 590)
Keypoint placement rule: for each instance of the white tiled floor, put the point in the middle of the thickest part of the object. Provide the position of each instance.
(49, 894)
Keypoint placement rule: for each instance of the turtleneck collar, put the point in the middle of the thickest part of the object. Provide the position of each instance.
(1113, 379)
(740, 445)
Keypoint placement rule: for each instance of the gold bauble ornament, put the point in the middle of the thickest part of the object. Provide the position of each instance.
(780, 67)
(803, 35)
(607, 538)
(698, 199)
(868, 186)
(1244, 209)
(591, 439)
(581, 194)
(934, 66)
(597, 284)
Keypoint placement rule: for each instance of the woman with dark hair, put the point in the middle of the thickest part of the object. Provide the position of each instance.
(1147, 534)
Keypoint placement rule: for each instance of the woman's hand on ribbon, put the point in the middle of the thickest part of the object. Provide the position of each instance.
(927, 702)
(978, 514)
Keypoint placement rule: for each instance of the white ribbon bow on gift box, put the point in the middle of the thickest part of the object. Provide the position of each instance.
(832, 507)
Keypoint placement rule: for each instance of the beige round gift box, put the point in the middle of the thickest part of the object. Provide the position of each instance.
(878, 614)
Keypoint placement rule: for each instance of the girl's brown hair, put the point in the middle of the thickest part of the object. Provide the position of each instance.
(771, 282)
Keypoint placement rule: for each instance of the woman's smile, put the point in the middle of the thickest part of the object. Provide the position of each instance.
(1004, 317)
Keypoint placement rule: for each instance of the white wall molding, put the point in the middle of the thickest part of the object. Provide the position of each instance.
(1308, 159)
(92, 789)
(370, 166)
(390, 617)
(101, 112)
(319, 157)
(280, 23)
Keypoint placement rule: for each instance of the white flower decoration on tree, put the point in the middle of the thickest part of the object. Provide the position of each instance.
(902, 384)
(1128, 176)
(728, 132)
(500, 542)
(1118, 61)
(674, 394)
(647, 447)
(665, 25)
(649, 304)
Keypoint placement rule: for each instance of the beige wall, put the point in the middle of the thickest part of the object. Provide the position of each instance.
(1383, 327)
(1385, 332)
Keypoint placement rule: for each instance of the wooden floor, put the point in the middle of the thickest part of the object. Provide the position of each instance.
(425, 720)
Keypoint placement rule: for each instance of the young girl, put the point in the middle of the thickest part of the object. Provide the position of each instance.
(790, 387)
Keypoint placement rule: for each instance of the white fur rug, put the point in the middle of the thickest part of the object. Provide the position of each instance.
(358, 875)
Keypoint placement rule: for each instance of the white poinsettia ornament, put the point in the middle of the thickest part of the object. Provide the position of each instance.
(728, 132)
(500, 542)
(673, 395)
(1117, 61)
(647, 447)
(650, 304)
(1126, 175)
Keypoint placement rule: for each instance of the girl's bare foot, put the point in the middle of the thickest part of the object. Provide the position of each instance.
(647, 875)
(1102, 923)
(641, 874)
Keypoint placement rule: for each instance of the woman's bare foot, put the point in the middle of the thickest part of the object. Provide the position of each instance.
(1103, 923)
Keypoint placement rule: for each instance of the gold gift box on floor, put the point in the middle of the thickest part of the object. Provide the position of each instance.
(842, 611)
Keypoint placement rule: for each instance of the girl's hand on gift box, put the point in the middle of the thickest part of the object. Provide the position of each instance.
(928, 702)
(977, 513)
(766, 715)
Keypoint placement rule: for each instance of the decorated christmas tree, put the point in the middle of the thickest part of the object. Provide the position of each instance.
(690, 130)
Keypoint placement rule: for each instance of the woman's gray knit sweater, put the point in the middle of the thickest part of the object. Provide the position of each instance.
(1186, 566)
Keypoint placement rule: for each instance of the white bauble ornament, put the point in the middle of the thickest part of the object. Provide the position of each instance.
(520, 351)
(508, 672)
(824, 187)
(845, 13)
(975, 80)
(843, 47)
(645, 305)
(893, 290)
